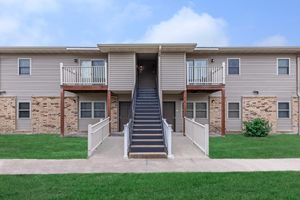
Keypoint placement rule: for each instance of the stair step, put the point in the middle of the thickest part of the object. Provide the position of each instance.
(146, 121)
(147, 142)
(147, 113)
(147, 148)
(146, 129)
(145, 155)
(147, 136)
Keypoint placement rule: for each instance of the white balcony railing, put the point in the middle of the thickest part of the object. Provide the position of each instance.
(205, 75)
(79, 75)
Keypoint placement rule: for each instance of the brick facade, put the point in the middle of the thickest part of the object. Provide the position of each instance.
(7, 114)
(46, 114)
(263, 107)
(114, 113)
(215, 114)
(295, 116)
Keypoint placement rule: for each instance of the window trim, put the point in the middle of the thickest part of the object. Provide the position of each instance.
(23, 101)
(92, 109)
(91, 59)
(289, 68)
(278, 109)
(30, 66)
(228, 66)
(229, 118)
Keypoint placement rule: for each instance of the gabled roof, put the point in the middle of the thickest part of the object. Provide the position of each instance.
(45, 50)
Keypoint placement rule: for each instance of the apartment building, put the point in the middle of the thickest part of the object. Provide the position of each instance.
(63, 89)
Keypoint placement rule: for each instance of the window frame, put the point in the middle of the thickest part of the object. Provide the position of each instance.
(30, 66)
(18, 109)
(228, 66)
(92, 109)
(289, 103)
(289, 67)
(195, 112)
(194, 109)
(230, 118)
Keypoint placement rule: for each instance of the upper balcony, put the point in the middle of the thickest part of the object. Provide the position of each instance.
(83, 75)
(205, 77)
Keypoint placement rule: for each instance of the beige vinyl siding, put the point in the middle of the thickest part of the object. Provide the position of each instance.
(173, 72)
(121, 71)
(45, 74)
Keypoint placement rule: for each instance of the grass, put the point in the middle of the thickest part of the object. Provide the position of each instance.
(42, 147)
(255, 185)
(239, 146)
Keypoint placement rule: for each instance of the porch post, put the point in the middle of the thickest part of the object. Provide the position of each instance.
(108, 108)
(223, 111)
(184, 109)
(62, 111)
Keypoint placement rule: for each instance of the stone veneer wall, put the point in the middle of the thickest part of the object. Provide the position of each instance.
(263, 107)
(46, 114)
(215, 114)
(7, 114)
(295, 116)
(114, 113)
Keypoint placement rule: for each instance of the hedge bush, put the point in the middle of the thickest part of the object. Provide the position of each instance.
(257, 127)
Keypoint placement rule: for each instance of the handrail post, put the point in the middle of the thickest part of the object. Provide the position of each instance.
(169, 135)
(126, 134)
(89, 140)
(61, 65)
(224, 72)
(105, 72)
(206, 139)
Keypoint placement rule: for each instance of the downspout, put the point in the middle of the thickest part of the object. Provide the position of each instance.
(298, 93)
(158, 81)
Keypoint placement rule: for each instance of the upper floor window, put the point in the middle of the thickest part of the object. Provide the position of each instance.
(283, 109)
(24, 65)
(233, 110)
(283, 65)
(233, 66)
(23, 110)
(94, 109)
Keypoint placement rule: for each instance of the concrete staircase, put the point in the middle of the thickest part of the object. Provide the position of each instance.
(147, 140)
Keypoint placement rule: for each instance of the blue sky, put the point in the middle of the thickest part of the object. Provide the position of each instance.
(207, 22)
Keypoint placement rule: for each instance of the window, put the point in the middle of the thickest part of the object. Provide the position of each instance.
(99, 110)
(23, 110)
(24, 66)
(94, 109)
(233, 66)
(196, 110)
(283, 109)
(86, 109)
(283, 65)
(201, 110)
(233, 110)
(190, 110)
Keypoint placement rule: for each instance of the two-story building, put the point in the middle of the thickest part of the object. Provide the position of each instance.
(63, 89)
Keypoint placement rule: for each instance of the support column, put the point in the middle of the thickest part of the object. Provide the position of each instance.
(184, 109)
(223, 112)
(62, 111)
(108, 108)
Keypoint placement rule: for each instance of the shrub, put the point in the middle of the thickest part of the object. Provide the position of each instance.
(257, 127)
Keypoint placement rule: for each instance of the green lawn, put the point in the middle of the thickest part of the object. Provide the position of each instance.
(229, 186)
(42, 147)
(239, 146)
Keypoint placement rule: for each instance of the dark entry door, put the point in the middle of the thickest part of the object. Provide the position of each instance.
(124, 109)
(169, 113)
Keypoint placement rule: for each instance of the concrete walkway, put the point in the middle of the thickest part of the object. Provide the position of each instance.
(109, 158)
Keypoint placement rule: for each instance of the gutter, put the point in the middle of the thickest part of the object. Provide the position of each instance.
(298, 93)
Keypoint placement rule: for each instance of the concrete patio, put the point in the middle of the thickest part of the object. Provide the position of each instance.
(109, 158)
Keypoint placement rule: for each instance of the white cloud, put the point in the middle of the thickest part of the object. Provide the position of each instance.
(21, 22)
(189, 26)
(274, 40)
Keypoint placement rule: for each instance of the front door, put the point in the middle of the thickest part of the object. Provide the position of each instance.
(124, 109)
(169, 113)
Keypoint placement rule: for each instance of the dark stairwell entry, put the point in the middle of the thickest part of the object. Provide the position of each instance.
(147, 140)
